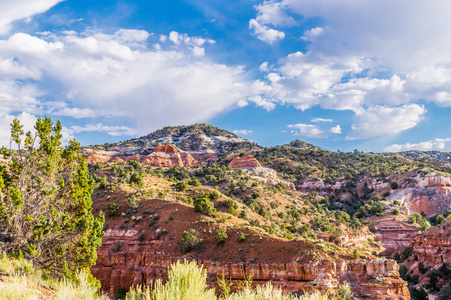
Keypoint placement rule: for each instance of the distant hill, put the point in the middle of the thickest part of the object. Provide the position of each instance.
(427, 155)
(197, 137)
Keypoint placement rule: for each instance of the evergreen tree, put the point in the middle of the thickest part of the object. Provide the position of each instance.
(45, 202)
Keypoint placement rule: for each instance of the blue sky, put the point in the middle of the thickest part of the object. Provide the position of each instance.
(352, 74)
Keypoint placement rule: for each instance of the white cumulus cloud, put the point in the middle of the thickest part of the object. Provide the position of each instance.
(435, 144)
(242, 131)
(336, 130)
(379, 120)
(117, 75)
(11, 11)
(264, 33)
(308, 130)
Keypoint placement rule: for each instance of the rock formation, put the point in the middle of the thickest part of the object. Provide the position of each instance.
(251, 164)
(245, 162)
(395, 235)
(430, 194)
(165, 156)
(140, 262)
(319, 186)
(204, 157)
(93, 157)
(434, 247)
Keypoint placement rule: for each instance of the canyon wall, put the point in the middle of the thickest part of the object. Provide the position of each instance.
(124, 260)
(430, 194)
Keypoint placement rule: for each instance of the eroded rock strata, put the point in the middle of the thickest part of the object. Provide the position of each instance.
(164, 156)
(140, 262)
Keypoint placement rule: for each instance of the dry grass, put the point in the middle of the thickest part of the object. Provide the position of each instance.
(19, 280)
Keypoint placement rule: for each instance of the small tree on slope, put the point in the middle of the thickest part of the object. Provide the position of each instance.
(45, 202)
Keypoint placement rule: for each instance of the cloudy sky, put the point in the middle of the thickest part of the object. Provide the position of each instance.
(373, 75)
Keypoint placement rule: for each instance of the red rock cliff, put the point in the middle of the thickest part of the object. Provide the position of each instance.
(167, 156)
(247, 161)
(140, 262)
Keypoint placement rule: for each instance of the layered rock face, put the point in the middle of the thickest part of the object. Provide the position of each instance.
(93, 157)
(165, 156)
(204, 157)
(395, 235)
(431, 194)
(247, 161)
(434, 246)
(319, 186)
(251, 164)
(139, 262)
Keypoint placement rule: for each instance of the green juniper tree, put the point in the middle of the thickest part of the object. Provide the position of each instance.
(45, 202)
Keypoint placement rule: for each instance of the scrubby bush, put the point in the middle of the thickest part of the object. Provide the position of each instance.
(221, 235)
(406, 253)
(133, 203)
(213, 195)
(230, 203)
(204, 206)
(185, 281)
(98, 166)
(181, 186)
(190, 240)
(416, 218)
(112, 209)
(421, 268)
(137, 179)
(194, 182)
(394, 185)
(241, 237)
(356, 254)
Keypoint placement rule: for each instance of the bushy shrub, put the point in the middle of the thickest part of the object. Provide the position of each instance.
(394, 185)
(241, 237)
(190, 240)
(221, 235)
(406, 253)
(356, 254)
(416, 218)
(137, 178)
(112, 209)
(204, 206)
(181, 186)
(185, 281)
(421, 268)
(194, 182)
(133, 203)
(232, 211)
(230, 203)
(213, 195)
